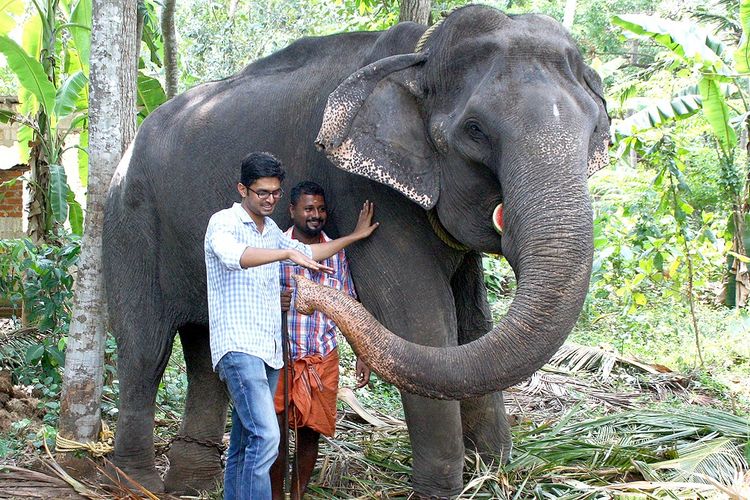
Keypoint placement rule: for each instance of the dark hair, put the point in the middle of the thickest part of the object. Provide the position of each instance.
(259, 164)
(305, 187)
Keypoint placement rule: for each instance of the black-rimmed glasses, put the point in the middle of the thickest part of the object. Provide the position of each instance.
(263, 194)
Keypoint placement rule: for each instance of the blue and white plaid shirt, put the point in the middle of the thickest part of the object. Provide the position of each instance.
(244, 307)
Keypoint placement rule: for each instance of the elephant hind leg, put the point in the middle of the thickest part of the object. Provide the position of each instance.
(196, 461)
(139, 373)
(142, 322)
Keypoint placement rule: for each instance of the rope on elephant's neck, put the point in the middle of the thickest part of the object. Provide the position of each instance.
(96, 448)
(430, 29)
(426, 36)
(432, 215)
(443, 233)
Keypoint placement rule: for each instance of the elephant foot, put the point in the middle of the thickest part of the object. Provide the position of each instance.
(133, 477)
(191, 482)
(415, 495)
(194, 467)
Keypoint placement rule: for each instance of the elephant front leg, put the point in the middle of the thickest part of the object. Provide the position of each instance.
(485, 424)
(486, 428)
(195, 454)
(437, 446)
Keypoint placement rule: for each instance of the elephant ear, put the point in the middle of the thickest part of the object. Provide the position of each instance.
(598, 155)
(372, 126)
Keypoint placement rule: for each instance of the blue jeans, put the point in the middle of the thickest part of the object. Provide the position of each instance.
(254, 441)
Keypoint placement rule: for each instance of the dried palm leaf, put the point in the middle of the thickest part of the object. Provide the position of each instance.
(599, 360)
(577, 358)
(15, 343)
(16, 482)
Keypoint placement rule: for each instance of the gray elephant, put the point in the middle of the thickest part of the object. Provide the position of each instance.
(492, 109)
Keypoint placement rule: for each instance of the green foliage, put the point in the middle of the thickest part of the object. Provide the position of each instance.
(39, 279)
(8, 84)
(498, 278)
(705, 60)
(29, 72)
(150, 95)
(643, 246)
(217, 42)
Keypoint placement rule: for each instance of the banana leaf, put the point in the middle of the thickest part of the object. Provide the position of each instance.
(742, 54)
(29, 72)
(67, 95)
(686, 40)
(8, 9)
(150, 95)
(58, 192)
(659, 112)
(83, 156)
(75, 214)
(80, 30)
(716, 112)
(7, 116)
(31, 40)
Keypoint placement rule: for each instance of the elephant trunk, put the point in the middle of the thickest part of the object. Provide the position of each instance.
(550, 249)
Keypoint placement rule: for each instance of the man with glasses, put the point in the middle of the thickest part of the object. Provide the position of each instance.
(243, 246)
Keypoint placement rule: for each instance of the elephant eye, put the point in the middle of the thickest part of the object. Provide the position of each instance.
(474, 130)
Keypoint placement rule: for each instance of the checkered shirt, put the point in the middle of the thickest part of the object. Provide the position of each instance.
(244, 308)
(314, 334)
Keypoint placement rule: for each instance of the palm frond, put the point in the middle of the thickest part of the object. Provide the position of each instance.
(717, 458)
(14, 343)
(721, 16)
(577, 358)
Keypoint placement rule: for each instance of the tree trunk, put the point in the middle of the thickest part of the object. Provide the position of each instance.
(417, 11)
(170, 52)
(570, 13)
(139, 20)
(111, 129)
(232, 9)
(38, 206)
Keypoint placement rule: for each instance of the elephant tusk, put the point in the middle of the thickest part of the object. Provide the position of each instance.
(497, 219)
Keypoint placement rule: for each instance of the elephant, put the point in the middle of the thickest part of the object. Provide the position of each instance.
(438, 128)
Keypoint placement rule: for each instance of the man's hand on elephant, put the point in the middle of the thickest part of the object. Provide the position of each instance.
(363, 374)
(303, 260)
(365, 226)
(286, 300)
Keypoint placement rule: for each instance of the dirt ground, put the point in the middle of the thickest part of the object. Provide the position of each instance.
(17, 403)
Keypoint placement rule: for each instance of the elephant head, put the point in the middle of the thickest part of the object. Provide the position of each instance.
(495, 109)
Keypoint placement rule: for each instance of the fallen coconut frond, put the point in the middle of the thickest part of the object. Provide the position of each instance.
(346, 395)
(599, 360)
(691, 453)
(577, 358)
(16, 482)
(712, 457)
(15, 343)
(55, 467)
(567, 387)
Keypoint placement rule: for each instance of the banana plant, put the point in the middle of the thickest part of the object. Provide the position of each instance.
(721, 78)
(51, 65)
(51, 70)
